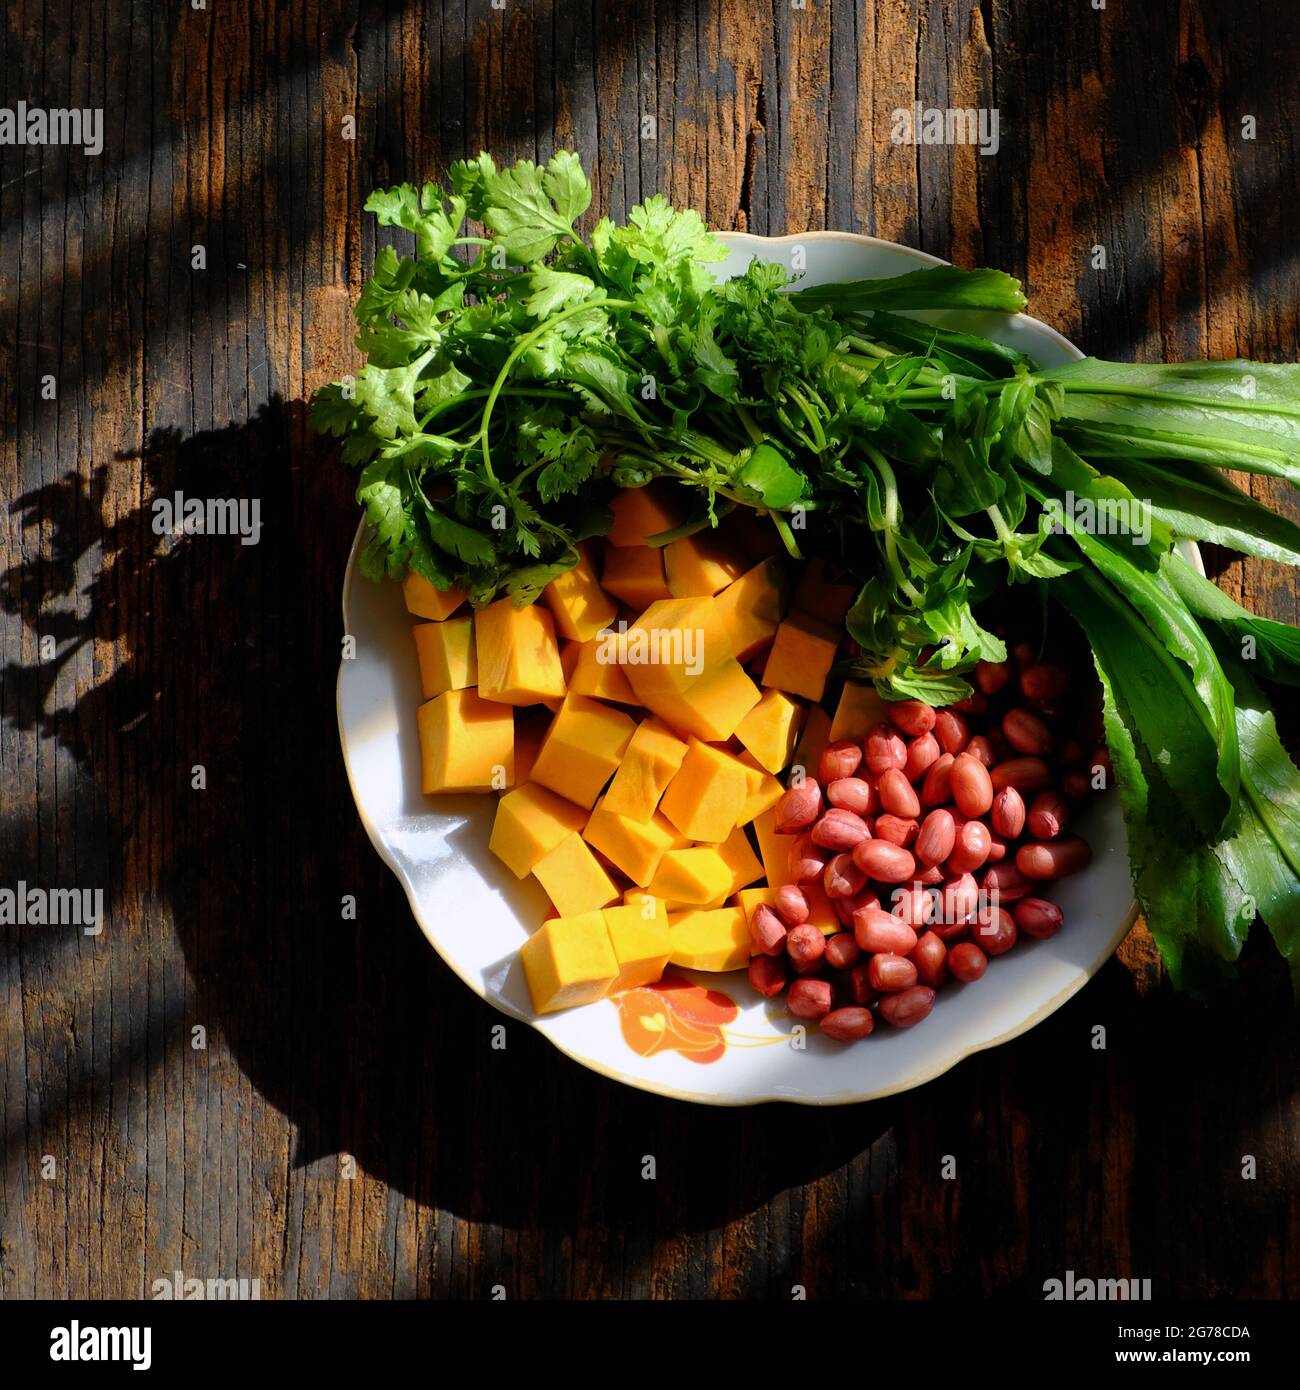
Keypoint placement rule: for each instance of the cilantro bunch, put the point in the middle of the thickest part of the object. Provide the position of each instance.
(516, 379)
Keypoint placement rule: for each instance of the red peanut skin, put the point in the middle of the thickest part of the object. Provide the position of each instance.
(1027, 775)
(1006, 881)
(805, 945)
(1048, 816)
(908, 1008)
(807, 862)
(810, 998)
(952, 731)
(930, 956)
(890, 974)
(897, 796)
(843, 878)
(848, 1023)
(967, 962)
(972, 788)
(843, 951)
(1026, 732)
(884, 749)
(937, 787)
(1044, 681)
(912, 717)
(1053, 859)
(993, 676)
(1007, 816)
(838, 830)
(791, 904)
(854, 794)
(995, 933)
(766, 932)
(971, 848)
(885, 863)
(797, 808)
(856, 986)
(841, 759)
(896, 830)
(922, 754)
(768, 975)
(935, 840)
(877, 931)
(1038, 918)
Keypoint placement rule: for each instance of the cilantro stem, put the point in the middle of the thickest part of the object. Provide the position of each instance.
(456, 400)
(890, 485)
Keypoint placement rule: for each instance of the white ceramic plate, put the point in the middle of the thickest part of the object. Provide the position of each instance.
(728, 1047)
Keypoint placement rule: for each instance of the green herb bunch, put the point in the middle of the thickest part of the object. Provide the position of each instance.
(516, 380)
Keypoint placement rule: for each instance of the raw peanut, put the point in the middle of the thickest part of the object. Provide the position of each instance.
(807, 862)
(839, 830)
(1005, 883)
(1076, 785)
(889, 973)
(967, 962)
(996, 932)
(857, 986)
(1008, 814)
(922, 754)
(930, 956)
(896, 830)
(1072, 753)
(937, 787)
(912, 717)
(1024, 655)
(838, 760)
(842, 877)
(798, 808)
(992, 676)
(971, 850)
(791, 904)
(854, 794)
(1026, 775)
(1101, 763)
(907, 1008)
(972, 788)
(960, 901)
(768, 975)
(847, 1024)
(876, 931)
(885, 863)
(805, 945)
(897, 796)
(977, 702)
(1002, 750)
(1048, 816)
(766, 932)
(1038, 918)
(934, 874)
(1055, 859)
(1044, 681)
(846, 907)
(842, 951)
(997, 850)
(913, 905)
(1026, 732)
(982, 750)
(810, 998)
(936, 837)
(951, 731)
(884, 749)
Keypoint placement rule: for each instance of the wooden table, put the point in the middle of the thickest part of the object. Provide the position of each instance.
(232, 1080)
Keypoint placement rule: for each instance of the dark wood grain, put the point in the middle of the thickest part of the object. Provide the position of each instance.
(348, 1130)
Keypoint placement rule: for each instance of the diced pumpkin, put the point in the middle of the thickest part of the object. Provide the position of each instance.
(467, 744)
(702, 565)
(530, 822)
(773, 849)
(445, 652)
(530, 730)
(640, 512)
(821, 912)
(813, 740)
(678, 660)
(821, 597)
(859, 711)
(649, 764)
(801, 656)
(694, 875)
(641, 942)
(569, 960)
(770, 730)
(635, 574)
(764, 791)
(750, 609)
(425, 601)
(709, 939)
(518, 656)
(704, 800)
(581, 608)
(587, 672)
(741, 859)
(633, 847)
(573, 877)
(582, 748)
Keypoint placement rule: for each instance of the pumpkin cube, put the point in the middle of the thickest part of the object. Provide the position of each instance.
(580, 606)
(587, 671)
(425, 601)
(821, 912)
(634, 847)
(709, 938)
(530, 822)
(569, 961)
(821, 597)
(702, 565)
(467, 744)
(530, 730)
(518, 656)
(649, 764)
(741, 859)
(751, 608)
(693, 875)
(813, 740)
(582, 749)
(639, 934)
(704, 800)
(859, 711)
(801, 656)
(445, 652)
(573, 877)
(770, 730)
(640, 512)
(635, 574)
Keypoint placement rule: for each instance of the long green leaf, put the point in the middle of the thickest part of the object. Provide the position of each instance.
(938, 287)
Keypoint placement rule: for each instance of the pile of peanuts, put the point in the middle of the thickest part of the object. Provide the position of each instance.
(933, 838)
